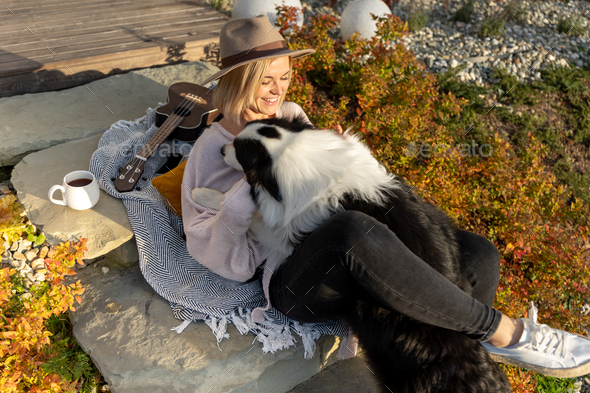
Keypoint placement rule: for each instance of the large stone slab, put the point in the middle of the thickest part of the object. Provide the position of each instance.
(105, 225)
(33, 122)
(126, 328)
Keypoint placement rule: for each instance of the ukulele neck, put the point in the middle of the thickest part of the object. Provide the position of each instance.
(163, 132)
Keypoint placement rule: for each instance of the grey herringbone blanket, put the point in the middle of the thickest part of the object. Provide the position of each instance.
(194, 292)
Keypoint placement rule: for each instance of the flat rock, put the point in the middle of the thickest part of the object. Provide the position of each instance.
(106, 225)
(346, 376)
(126, 328)
(33, 122)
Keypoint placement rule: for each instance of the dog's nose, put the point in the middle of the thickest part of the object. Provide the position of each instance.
(223, 150)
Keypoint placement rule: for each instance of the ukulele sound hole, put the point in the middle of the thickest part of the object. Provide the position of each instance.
(180, 111)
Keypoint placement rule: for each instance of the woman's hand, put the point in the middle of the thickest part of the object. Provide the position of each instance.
(338, 129)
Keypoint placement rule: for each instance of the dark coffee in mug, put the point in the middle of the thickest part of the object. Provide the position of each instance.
(80, 182)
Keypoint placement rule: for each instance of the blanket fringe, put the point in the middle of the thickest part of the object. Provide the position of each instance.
(274, 337)
(218, 327)
(180, 328)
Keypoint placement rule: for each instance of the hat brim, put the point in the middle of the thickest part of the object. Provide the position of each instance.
(295, 54)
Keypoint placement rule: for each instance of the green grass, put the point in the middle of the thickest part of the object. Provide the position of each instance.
(571, 25)
(71, 362)
(515, 11)
(554, 385)
(418, 20)
(491, 27)
(464, 13)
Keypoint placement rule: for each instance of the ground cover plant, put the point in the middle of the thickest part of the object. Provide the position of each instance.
(38, 352)
(492, 183)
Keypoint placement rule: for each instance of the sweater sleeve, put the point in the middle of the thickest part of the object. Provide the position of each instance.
(217, 239)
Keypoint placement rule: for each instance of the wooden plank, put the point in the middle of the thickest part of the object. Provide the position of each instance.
(124, 33)
(113, 15)
(12, 63)
(97, 27)
(181, 41)
(89, 69)
(22, 7)
(91, 39)
(16, 45)
(98, 9)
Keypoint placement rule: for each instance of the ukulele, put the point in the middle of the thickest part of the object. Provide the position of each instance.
(188, 109)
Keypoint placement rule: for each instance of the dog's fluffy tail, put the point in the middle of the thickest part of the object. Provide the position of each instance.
(407, 356)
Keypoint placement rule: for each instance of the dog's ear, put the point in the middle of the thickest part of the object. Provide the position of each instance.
(257, 165)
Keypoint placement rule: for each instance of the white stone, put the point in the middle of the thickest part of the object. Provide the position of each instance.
(38, 264)
(105, 269)
(253, 8)
(357, 17)
(454, 63)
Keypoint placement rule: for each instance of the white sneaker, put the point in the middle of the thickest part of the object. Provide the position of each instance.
(545, 350)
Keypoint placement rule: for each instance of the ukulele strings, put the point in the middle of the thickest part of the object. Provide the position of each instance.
(183, 112)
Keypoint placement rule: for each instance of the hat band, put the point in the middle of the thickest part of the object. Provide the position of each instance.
(254, 53)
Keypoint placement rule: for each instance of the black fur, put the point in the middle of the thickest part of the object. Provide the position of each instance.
(406, 356)
(257, 165)
(269, 132)
(298, 123)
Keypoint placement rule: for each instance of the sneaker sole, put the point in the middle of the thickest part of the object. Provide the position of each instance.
(581, 370)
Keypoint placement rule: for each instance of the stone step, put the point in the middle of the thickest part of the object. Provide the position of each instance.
(126, 328)
(33, 122)
(105, 225)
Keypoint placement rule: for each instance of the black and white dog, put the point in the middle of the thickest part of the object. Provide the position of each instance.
(299, 177)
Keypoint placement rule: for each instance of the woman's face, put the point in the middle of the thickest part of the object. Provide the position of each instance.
(274, 84)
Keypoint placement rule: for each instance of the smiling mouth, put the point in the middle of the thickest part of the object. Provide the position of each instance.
(271, 100)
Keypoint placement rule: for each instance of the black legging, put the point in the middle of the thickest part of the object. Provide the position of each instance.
(353, 256)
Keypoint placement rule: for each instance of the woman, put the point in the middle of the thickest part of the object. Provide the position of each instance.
(351, 255)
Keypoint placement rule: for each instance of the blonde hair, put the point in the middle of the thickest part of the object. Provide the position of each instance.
(237, 89)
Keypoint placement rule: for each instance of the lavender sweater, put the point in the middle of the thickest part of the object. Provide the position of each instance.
(218, 239)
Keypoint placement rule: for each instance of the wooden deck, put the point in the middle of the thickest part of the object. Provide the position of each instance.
(55, 44)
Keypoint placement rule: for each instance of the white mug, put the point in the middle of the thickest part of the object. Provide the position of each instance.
(80, 191)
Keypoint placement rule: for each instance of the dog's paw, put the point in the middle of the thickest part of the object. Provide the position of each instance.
(207, 197)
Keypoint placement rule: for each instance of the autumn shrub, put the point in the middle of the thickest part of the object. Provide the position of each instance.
(25, 344)
(508, 196)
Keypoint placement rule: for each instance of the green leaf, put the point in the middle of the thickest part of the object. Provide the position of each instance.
(40, 239)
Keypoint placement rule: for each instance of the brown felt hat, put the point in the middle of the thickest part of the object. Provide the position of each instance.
(246, 40)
